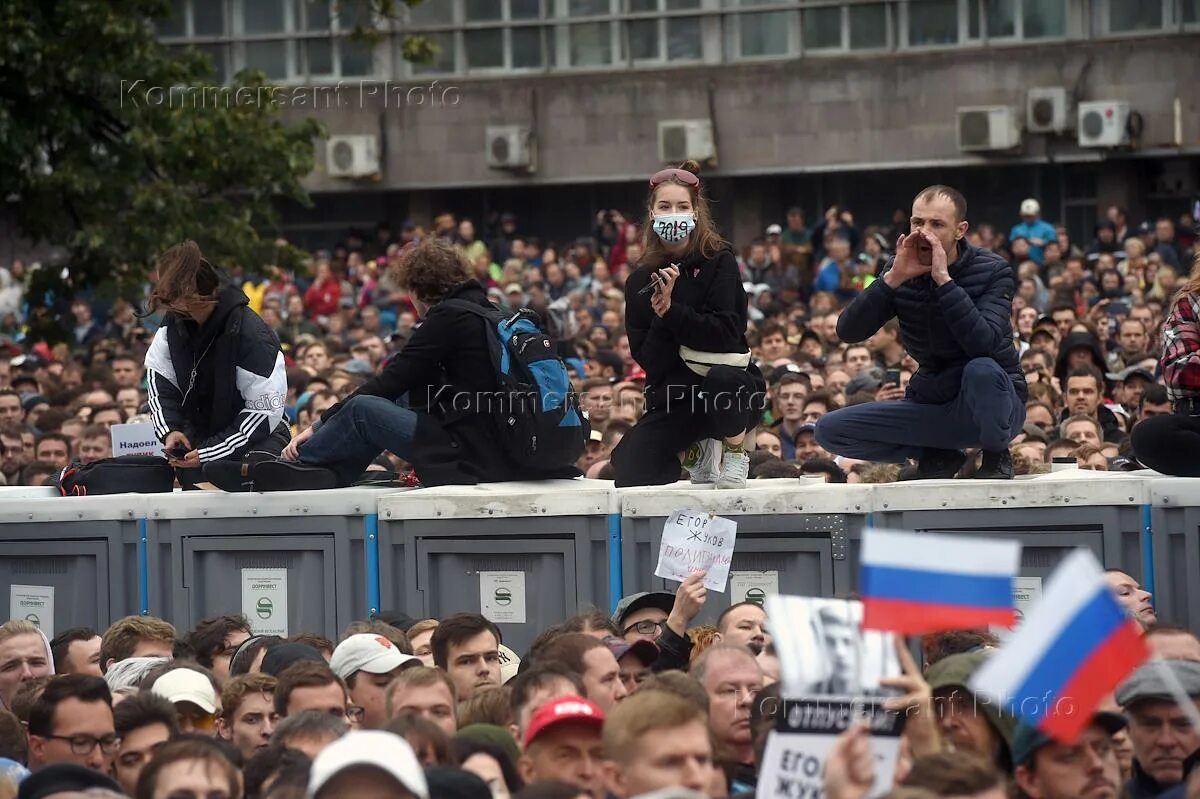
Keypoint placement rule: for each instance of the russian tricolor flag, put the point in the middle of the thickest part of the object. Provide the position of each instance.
(924, 583)
(1071, 651)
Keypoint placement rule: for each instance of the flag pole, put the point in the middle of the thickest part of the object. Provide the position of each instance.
(1185, 702)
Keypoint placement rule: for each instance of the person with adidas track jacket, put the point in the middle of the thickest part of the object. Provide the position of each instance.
(214, 371)
(954, 305)
(419, 406)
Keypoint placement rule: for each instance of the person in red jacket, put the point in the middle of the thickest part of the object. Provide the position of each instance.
(323, 295)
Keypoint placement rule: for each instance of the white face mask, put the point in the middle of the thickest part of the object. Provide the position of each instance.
(674, 228)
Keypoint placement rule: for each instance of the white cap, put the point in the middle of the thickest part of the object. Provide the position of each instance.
(509, 664)
(774, 230)
(368, 652)
(385, 751)
(1030, 207)
(185, 685)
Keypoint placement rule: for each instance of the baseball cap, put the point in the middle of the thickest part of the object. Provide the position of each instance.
(1136, 371)
(807, 427)
(774, 230)
(389, 753)
(510, 664)
(186, 685)
(564, 710)
(514, 288)
(645, 651)
(640, 601)
(453, 783)
(281, 656)
(1148, 682)
(1029, 739)
(1035, 433)
(1030, 207)
(368, 652)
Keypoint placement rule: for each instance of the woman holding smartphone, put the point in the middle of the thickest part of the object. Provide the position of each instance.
(214, 372)
(686, 319)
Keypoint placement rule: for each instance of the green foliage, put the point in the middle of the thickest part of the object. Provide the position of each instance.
(98, 155)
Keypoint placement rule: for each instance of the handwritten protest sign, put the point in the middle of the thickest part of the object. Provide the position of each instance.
(793, 764)
(695, 541)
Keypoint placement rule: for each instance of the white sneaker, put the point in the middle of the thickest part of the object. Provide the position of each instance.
(703, 460)
(735, 468)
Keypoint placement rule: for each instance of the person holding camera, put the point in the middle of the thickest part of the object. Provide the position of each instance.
(686, 320)
(215, 375)
(954, 305)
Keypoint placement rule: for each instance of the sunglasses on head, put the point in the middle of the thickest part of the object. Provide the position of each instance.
(682, 175)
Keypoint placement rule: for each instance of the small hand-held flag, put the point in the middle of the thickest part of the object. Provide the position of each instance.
(923, 583)
(1073, 648)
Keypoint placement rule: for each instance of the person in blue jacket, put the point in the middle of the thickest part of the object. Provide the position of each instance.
(954, 305)
(1037, 231)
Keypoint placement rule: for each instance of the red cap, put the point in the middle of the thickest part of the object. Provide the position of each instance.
(637, 373)
(564, 710)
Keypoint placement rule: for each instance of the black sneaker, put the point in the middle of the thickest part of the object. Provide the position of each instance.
(276, 475)
(940, 464)
(996, 466)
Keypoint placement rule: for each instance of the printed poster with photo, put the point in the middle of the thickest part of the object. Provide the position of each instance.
(823, 650)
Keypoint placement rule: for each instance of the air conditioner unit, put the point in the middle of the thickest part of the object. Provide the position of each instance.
(1104, 123)
(352, 156)
(1047, 110)
(683, 139)
(988, 128)
(510, 147)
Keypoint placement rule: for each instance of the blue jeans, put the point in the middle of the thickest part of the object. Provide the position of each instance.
(357, 433)
(987, 413)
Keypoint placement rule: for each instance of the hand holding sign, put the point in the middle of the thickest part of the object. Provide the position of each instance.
(695, 542)
(921, 727)
(850, 769)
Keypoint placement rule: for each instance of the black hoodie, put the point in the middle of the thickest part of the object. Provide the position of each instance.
(223, 384)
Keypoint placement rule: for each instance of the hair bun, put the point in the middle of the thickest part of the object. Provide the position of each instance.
(690, 166)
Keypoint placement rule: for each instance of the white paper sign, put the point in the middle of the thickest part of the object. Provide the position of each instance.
(135, 439)
(695, 541)
(264, 600)
(1027, 591)
(33, 603)
(502, 597)
(752, 586)
(793, 763)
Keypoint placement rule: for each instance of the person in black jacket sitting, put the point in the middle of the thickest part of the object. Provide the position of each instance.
(215, 376)
(689, 335)
(954, 304)
(415, 407)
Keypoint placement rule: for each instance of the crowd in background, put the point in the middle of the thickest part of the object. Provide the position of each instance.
(1087, 318)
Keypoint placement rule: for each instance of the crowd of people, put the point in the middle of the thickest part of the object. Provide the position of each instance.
(642, 702)
(1087, 321)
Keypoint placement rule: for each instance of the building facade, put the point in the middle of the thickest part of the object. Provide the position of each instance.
(556, 109)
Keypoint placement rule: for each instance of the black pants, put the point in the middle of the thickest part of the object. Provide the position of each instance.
(727, 402)
(1169, 444)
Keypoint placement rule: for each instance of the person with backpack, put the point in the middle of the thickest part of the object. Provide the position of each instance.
(215, 374)
(475, 396)
(686, 318)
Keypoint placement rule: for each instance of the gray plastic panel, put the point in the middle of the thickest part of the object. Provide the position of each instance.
(431, 567)
(809, 551)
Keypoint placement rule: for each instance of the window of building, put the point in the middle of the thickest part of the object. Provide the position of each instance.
(1016, 19)
(932, 23)
(869, 25)
(760, 34)
(839, 27)
(1131, 16)
(1191, 12)
(665, 38)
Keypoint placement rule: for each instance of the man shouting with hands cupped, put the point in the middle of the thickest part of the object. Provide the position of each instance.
(954, 305)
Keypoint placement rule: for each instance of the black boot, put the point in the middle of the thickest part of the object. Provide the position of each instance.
(278, 475)
(234, 475)
(939, 464)
(996, 466)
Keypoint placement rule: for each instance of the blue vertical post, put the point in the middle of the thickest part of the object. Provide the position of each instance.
(1147, 548)
(371, 549)
(615, 582)
(143, 553)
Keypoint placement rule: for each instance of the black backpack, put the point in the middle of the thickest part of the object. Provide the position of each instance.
(139, 474)
(536, 408)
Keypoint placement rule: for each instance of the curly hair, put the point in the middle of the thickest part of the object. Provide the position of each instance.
(432, 269)
(702, 638)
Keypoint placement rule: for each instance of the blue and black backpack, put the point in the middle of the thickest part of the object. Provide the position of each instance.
(536, 409)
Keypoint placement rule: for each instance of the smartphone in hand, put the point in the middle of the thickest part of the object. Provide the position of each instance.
(178, 452)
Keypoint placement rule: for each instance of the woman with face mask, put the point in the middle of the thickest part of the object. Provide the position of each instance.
(686, 321)
(214, 372)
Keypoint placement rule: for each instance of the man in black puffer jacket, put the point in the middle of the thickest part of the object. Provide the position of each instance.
(954, 304)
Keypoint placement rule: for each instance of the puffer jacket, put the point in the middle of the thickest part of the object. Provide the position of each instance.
(945, 327)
